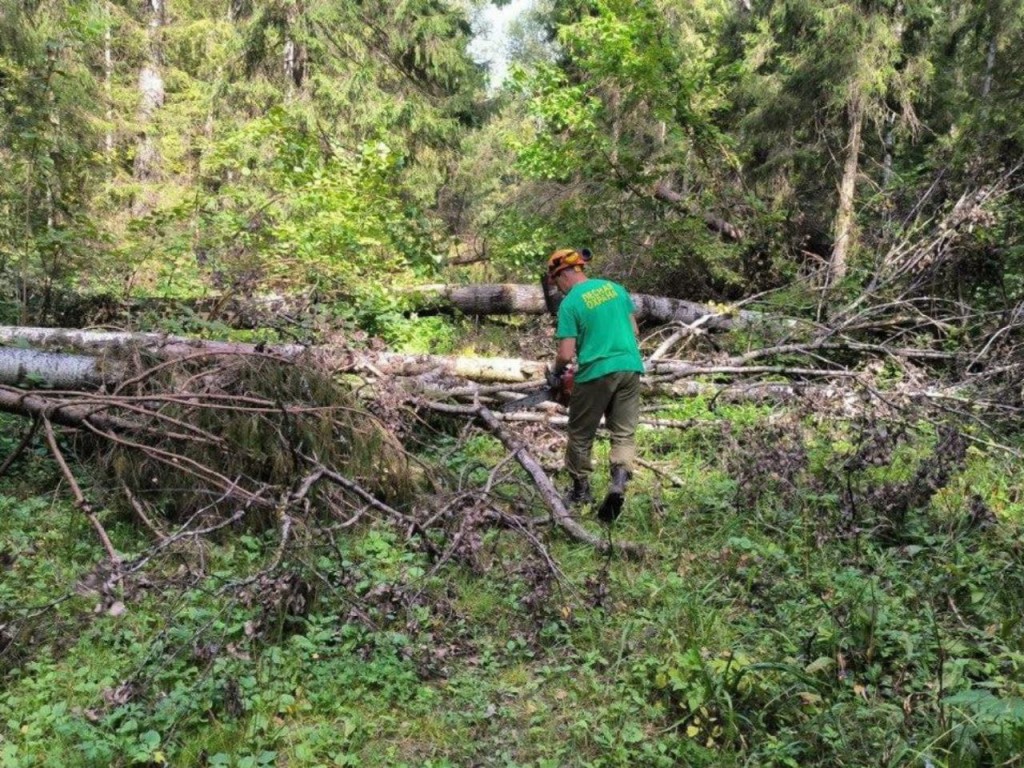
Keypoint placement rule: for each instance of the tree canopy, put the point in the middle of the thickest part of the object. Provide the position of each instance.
(727, 147)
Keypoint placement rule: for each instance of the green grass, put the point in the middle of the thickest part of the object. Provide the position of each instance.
(769, 624)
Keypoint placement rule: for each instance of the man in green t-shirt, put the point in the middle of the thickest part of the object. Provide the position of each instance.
(596, 327)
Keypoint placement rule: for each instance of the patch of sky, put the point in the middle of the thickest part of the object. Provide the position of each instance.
(490, 44)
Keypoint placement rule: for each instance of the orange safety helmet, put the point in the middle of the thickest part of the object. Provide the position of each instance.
(567, 258)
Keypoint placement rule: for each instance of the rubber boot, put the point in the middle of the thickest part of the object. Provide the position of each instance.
(611, 507)
(580, 492)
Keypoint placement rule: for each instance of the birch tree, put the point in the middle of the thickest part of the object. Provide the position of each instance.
(151, 99)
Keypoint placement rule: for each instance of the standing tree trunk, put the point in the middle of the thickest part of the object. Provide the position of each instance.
(990, 65)
(151, 99)
(845, 222)
(108, 92)
(294, 51)
(615, 105)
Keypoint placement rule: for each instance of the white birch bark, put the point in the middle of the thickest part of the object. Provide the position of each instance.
(21, 367)
(294, 52)
(332, 357)
(845, 220)
(151, 99)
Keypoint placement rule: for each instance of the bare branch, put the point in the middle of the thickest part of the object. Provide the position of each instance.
(80, 500)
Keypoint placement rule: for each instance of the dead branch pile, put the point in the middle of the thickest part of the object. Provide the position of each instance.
(195, 445)
(207, 444)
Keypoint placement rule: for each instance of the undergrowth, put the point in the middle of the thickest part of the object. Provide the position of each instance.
(816, 593)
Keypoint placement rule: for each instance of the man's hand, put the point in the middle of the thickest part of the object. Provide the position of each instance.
(553, 377)
(560, 381)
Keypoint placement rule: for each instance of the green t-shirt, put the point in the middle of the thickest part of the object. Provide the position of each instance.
(597, 314)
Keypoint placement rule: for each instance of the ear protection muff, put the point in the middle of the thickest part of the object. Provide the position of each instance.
(567, 258)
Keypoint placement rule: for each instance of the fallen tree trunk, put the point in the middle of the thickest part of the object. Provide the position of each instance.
(21, 367)
(432, 374)
(514, 298)
(165, 347)
(160, 344)
(73, 309)
(436, 376)
(476, 299)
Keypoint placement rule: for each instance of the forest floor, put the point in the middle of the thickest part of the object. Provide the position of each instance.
(815, 590)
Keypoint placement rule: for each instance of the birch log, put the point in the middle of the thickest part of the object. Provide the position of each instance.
(334, 357)
(19, 367)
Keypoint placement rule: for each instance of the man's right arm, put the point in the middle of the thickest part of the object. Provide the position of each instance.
(565, 353)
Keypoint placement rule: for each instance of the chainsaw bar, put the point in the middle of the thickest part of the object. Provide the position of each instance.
(536, 398)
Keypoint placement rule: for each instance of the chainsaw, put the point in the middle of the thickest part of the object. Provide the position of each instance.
(557, 388)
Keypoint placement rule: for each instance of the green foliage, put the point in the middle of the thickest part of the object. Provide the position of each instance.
(629, 103)
(257, 178)
(48, 134)
(628, 127)
(413, 334)
(283, 211)
(646, 70)
(772, 625)
(637, 121)
(819, 591)
(566, 116)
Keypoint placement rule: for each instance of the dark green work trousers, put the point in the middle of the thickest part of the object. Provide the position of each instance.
(616, 397)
